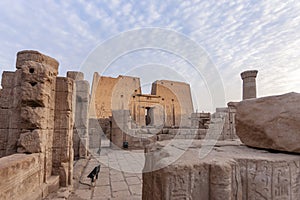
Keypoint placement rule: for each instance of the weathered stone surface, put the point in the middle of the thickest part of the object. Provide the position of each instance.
(81, 121)
(270, 122)
(4, 118)
(3, 141)
(31, 142)
(37, 95)
(62, 120)
(34, 72)
(62, 147)
(95, 131)
(83, 146)
(8, 94)
(82, 86)
(6, 98)
(64, 84)
(35, 117)
(249, 84)
(64, 174)
(20, 176)
(12, 141)
(7, 80)
(30, 55)
(78, 76)
(230, 171)
(32, 100)
(62, 137)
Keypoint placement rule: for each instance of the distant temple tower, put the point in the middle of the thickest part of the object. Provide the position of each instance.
(249, 84)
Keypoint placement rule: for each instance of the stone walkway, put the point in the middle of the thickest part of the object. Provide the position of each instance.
(120, 176)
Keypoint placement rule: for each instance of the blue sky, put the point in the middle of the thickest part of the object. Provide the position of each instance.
(236, 35)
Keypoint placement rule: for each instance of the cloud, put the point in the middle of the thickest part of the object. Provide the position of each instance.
(237, 35)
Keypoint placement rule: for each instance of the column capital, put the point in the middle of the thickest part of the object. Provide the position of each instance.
(249, 73)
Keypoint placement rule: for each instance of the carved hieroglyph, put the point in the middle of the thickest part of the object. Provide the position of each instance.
(230, 171)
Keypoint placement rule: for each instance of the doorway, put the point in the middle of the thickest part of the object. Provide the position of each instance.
(148, 116)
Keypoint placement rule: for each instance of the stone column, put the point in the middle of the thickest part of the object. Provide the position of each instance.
(6, 103)
(249, 84)
(232, 113)
(33, 115)
(81, 118)
(63, 131)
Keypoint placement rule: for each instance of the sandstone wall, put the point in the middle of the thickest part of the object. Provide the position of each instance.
(176, 100)
(36, 119)
(122, 131)
(170, 102)
(22, 177)
(112, 94)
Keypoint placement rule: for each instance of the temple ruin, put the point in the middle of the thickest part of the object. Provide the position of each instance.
(53, 130)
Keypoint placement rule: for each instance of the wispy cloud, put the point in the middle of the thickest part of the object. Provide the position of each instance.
(237, 35)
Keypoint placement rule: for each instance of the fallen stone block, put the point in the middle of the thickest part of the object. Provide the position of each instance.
(270, 122)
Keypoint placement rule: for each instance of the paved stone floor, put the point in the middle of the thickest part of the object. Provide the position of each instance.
(120, 176)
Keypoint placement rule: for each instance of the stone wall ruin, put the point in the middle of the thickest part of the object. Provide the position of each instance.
(36, 119)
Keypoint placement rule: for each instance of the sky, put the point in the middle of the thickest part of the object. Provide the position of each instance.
(232, 36)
